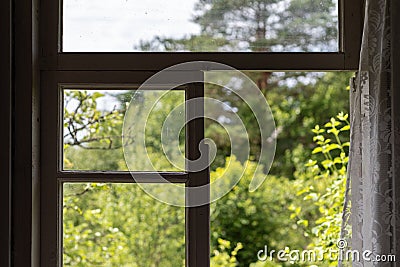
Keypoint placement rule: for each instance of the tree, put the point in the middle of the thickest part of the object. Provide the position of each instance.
(255, 219)
(257, 25)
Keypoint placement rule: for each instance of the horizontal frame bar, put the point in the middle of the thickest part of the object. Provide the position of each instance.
(159, 61)
(122, 177)
(118, 79)
(113, 86)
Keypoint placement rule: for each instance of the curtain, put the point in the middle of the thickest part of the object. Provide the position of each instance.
(374, 167)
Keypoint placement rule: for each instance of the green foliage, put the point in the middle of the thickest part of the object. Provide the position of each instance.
(298, 102)
(101, 222)
(89, 129)
(323, 184)
(86, 125)
(297, 109)
(222, 257)
(120, 225)
(254, 219)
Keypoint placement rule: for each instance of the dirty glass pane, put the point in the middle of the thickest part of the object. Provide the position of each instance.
(200, 25)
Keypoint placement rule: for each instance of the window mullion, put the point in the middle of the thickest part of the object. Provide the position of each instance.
(197, 218)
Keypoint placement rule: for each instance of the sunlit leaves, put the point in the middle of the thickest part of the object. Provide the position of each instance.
(329, 173)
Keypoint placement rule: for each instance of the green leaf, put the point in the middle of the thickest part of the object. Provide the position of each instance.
(318, 138)
(346, 144)
(303, 222)
(345, 128)
(343, 117)
(334, 131)
(327, 163)
(317, 150)
(311, 163)
(337, 160)
(312, 196)
(305, 190)
(332, 147)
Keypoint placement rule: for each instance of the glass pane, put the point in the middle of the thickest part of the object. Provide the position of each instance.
(299, 204)
(93, 130)
(200, 25)
(120, 225)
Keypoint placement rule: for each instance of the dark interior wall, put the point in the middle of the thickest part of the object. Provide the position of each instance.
(19, 153)
(22, 140)
(5, 133)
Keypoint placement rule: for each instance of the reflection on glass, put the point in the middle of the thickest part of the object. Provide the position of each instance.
(200, 25)
(120, 225)
(93, 134)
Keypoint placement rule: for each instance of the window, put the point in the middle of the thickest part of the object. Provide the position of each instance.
(66, 70)
(59, 178)
(151, 26)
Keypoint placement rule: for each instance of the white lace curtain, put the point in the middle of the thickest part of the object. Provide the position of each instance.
(374, 168)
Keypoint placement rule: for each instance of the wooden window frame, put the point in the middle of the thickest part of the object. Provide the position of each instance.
(350, 28)
(53, 176)
(57, 68)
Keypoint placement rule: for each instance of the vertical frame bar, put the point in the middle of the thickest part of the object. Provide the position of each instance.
(350, 26)
(49, 28)
(49, 250)
(197, 218)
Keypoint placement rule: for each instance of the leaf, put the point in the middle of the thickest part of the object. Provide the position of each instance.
(343, 117)
(334, 131)
(327, 141)
(332, 147)
(346, 144)
(337, 160)
(310, 163)
(303, 222)
(316, 129)
(345, 128)
(318, 138)
(305, 190)
(298, 210)
(96, 95)
(317, 150)
(327, 163)
(312, 196)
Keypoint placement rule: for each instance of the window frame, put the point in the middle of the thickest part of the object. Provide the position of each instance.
(58, 68)
(350, 29)
(53, 176)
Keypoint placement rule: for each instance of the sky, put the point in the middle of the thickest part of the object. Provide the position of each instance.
(119, 25)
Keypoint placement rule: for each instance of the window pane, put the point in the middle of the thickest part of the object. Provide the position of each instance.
(299, 204)
(200, 25)
(120, 225)
(93, 132)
